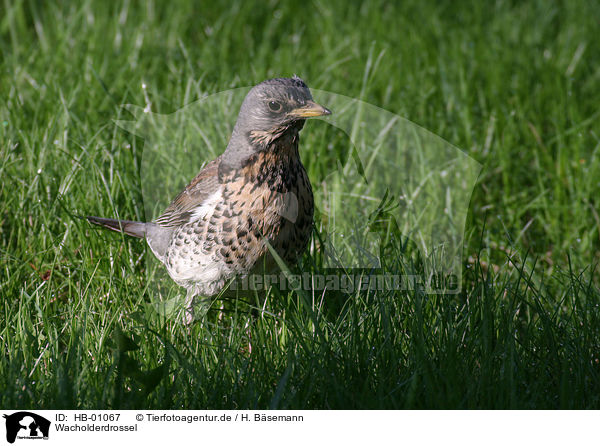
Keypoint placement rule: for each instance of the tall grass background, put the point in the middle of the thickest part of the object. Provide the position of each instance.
(513, 84)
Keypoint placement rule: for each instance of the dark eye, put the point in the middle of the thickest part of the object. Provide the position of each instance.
(274, 106)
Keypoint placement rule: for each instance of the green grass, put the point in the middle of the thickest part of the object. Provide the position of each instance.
(514, 84)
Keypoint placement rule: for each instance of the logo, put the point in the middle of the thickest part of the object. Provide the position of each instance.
(385, 183)
(26, 425)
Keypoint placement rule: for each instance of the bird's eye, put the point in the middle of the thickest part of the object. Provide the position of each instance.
(274, 106)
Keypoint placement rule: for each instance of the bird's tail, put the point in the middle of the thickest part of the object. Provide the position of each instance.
(133, 228)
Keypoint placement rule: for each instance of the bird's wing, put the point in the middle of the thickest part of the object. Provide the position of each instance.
(202, 187)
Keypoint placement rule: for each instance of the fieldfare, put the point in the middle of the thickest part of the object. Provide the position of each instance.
(255, 193)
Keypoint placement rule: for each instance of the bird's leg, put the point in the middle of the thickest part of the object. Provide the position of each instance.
(189, 306)
(190, 312)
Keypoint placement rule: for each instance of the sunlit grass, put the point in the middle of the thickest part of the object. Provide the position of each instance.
(515, 86)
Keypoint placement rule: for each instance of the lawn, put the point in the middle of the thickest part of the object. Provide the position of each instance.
(514, 85)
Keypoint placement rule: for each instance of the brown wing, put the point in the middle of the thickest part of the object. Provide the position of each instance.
(194, 194)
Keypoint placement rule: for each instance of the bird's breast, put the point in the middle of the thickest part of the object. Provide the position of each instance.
(274, 200)
(226, 236)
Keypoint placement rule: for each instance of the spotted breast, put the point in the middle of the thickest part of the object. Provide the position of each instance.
(269, 200)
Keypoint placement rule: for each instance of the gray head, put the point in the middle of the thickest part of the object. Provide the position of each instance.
(271, 109)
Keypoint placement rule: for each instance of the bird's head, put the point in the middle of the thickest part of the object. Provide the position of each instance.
(272, 109)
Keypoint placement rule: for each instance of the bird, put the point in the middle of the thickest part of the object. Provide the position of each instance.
(255, 195)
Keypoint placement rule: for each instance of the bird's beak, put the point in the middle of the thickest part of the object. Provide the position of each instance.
(311, 109)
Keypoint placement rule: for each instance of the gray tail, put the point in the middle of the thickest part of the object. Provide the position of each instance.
(133, 228)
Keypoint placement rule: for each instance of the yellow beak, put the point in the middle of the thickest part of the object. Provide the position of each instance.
(311, 109)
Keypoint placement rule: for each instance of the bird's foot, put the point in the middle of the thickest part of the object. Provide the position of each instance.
(195, 310)
(188, 316)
